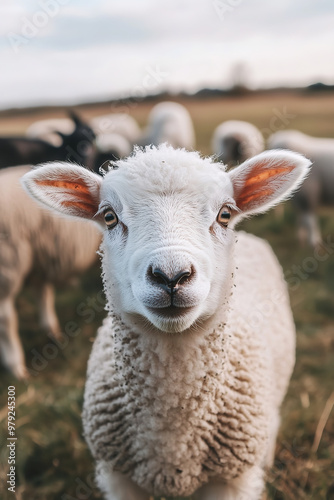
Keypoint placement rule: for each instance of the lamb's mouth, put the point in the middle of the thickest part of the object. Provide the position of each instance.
(170, 312)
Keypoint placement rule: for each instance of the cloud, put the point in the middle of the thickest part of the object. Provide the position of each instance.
(72, 32)
(95, 50)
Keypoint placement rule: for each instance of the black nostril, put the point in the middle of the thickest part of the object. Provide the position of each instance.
(169, 284)
(180, 278)
(160, 277)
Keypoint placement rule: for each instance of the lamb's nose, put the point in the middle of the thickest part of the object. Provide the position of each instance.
(170, 285)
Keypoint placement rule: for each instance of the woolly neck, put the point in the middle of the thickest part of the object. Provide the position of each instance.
(196, 402)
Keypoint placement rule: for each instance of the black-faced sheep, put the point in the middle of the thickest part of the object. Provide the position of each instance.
(78, 147)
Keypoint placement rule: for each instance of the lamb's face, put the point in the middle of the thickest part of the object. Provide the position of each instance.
(168, 256)
(167, 215)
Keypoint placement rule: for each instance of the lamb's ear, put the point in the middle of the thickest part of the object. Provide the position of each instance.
(268, 178)
(65, 188)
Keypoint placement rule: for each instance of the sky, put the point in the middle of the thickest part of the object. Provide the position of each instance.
(71, 51)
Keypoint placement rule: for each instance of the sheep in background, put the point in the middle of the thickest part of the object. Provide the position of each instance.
(111, 147)
(79, 146)
(288, 139)
(189, 370)
(42, 247)
(235, 141)
(318, 188)
(171, 123)
(48, 130)
(117, 123)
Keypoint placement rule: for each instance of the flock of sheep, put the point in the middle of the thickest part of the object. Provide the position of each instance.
(187, 373)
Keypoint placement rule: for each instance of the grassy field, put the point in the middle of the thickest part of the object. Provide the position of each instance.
(53, 461)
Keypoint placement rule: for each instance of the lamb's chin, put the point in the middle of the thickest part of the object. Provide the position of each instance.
(172, 320)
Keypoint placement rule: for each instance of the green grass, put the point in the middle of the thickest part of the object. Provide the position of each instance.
(53, 461)
(299, 473)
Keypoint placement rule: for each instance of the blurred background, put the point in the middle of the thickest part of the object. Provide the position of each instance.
(86, 81)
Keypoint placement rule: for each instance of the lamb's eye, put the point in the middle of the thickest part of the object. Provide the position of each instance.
(110, 218)
(224, 216)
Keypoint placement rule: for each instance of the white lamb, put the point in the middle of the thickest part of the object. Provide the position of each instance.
(318, 189)
(47, 130)
(189, 370)
(235, 141)
(41, 246)
(117, 123)
(169, 122)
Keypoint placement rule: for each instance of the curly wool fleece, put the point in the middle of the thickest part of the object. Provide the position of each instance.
(173, 411)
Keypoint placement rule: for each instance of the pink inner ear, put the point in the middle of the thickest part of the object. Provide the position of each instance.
(81, 205)
(246, 202)
(257, 183)
(72, 186)
(82, 197)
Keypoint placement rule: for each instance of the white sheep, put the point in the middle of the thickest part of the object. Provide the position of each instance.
(189, 370)
(235, 141)
(48, 130)
(111, 147)
(169, 122)
(318, 188)
(41, 246)
(117, 123)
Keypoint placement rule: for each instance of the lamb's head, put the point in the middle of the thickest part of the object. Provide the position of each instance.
(168, 218)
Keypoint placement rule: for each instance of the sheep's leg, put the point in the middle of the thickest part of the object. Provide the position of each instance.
(309, 229)
(274, 426)
(116, 486)
(248, 486)
(314, 230)
(48, 317)
(11, 351)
